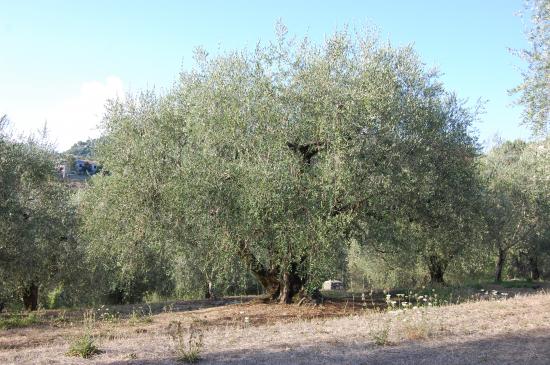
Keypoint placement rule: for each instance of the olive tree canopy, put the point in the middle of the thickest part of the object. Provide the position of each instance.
(37, 245)
(517, 200)
(535, 89)
(279, 156)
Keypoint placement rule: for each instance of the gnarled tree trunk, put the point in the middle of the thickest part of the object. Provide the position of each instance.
(500, 265)
(291, 285)
(280, 285)
(282, 288)
(534, 268)
(208, 292)
(30, 297)
(437, 267)
(269, 279)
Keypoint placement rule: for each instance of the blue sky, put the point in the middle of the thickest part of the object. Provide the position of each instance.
(60, 60)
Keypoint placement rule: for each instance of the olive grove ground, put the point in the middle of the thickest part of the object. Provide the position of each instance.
(504, 331)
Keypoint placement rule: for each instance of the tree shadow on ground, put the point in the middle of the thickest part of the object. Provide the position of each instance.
(527, 347)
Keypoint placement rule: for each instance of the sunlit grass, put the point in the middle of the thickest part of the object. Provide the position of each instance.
(18, 320)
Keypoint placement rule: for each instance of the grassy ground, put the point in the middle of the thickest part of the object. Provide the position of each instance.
(486, 329)
(19, 320)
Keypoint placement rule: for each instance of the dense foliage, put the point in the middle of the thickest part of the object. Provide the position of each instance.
(83, 149)
(37, 223)
(281, 156)
(517, 202)
(535, 89)
(271, 171)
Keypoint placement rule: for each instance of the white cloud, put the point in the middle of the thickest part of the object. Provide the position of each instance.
(77, 118)
(73, 118)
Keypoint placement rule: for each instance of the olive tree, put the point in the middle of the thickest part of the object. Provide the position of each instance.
(282, 155)
(37, 243)
(533, 175)
(134, 238)
(535, 89)
(124, 240)
(517, 203)
(535, 165)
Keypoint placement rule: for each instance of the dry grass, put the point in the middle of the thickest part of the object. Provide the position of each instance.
(418, 331)
(513, 331)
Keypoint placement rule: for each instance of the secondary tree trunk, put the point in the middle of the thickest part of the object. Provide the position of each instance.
(534, 267)
(437, 267)
(209, 293)
(291, 285)
(30, 297)
(500, 265)
(269, 280)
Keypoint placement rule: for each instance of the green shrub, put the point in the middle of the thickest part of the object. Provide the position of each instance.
(56, 298)
(381, 336)
(84, 347)
(18, 320)
(137, 317)
(187, 342)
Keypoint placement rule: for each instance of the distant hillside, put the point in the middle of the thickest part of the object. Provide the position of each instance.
(84, 149)
(78, 163)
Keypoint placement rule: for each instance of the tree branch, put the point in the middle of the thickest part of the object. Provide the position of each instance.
(308, 150)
